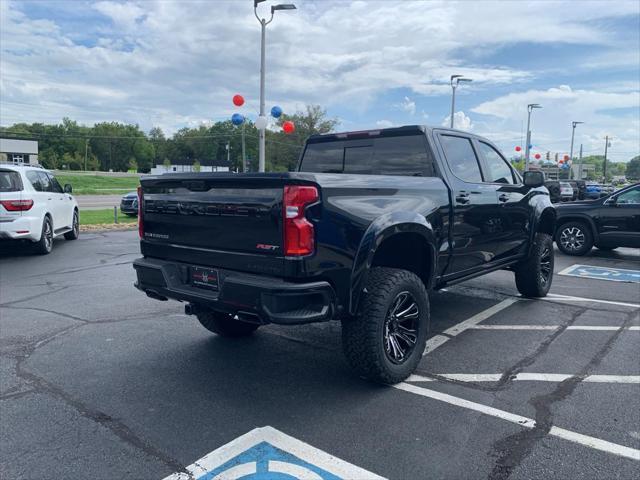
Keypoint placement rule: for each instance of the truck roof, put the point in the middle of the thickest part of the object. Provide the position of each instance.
(379, 132)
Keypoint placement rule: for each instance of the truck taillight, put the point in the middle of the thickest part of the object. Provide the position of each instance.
(298, 231)
(17, 205)
(140, 216)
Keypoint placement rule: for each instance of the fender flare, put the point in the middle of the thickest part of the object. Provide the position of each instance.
(381, 229)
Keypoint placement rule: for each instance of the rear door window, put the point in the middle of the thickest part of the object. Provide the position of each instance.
(55, 185)
(10, 181)
(461, 158)
(46, 182)
(36, 181)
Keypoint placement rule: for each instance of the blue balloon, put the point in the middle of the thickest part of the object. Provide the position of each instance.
(237, 119)
(276, 111)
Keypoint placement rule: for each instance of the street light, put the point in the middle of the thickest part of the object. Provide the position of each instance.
(263, 24)
(455, 80)
(530, 108)
(573, 133)
(607, 144)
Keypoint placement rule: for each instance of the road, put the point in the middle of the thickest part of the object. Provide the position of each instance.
(99, 381)
(98, 202)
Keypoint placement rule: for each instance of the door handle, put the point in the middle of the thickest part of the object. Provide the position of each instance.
(504, 197)
(462, 197)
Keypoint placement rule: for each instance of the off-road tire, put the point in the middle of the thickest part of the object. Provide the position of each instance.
(74, 233)
(225, 325)
(363, 337)
(45, 244)
(535, 275)
(582, 231)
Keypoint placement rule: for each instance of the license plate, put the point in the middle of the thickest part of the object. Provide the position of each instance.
(204, 278)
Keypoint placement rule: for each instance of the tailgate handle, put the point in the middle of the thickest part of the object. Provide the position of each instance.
(197, 186)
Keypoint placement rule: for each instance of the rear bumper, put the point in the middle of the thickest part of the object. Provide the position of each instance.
(269, 299)
(21, 228)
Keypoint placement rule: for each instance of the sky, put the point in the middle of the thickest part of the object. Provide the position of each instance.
(371, 64)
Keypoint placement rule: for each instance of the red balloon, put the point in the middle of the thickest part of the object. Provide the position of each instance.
(518, 148)
(288, 127)
(566, 158)
(238, 100)
(537, 155)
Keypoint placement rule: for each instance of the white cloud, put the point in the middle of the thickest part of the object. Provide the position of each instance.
(604, 113)
(460, 121)
(174, 63)
(384, 123)
(408, 106)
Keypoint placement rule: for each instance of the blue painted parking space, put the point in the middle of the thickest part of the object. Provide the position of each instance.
(268, 454)
(602, 273)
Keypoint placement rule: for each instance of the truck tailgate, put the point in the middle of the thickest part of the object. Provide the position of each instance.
(224, 220)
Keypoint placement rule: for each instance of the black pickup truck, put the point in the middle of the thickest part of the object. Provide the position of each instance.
(368, 224)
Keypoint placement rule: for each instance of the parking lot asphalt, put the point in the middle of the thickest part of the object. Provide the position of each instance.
(98, 381)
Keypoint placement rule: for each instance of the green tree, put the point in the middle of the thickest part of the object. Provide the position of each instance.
(633, 168)
(166, 164)
(196, 166)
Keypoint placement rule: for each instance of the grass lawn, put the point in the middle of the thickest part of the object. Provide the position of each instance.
(97, 217)
(99, 184)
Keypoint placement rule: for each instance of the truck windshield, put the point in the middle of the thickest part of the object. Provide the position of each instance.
(402, 155)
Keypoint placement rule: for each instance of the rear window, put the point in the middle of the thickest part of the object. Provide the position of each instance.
(403, 155)
(10, 181)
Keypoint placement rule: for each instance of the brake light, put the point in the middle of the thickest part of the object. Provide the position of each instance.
(17, 205)
(298, 231)
(140, 217)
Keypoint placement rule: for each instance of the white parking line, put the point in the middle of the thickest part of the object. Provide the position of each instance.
(527, 377)
(569, 298)
(437, 340)
(605, 328)
(525, 422)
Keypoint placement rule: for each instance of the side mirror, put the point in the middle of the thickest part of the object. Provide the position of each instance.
(533, 178)
(67, 188)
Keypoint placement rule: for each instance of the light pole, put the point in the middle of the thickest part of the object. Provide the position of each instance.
(530, 108)
(573, 133)
(455, 80)
(263, 24)
(604, 168)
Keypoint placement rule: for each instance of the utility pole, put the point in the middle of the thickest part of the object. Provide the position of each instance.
(573, 133)
(580, 164)
(86, 146)
(604, 168)
(530, 108)
(244, 156)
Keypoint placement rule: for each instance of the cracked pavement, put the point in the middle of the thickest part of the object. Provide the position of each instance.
(98, 381)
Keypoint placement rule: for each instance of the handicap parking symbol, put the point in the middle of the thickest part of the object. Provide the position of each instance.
(602, 273)
(268, 454)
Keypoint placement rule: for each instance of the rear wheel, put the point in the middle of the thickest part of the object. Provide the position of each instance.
(225, 325)
(386, 339)
(45, 244)
(574, 238)
(75, 228)
(535, 274)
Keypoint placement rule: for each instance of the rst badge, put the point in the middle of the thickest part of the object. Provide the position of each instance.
(264, 246)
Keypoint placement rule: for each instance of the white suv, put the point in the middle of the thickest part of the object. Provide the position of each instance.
(34, 207)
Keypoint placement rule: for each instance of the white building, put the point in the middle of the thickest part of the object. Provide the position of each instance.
(18, 151)
(187, 166)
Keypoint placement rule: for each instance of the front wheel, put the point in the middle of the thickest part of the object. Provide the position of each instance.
(386, 339)
(225, 324)
(535, 274)
(574, 238)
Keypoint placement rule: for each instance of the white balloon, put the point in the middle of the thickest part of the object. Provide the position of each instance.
(261, 122)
